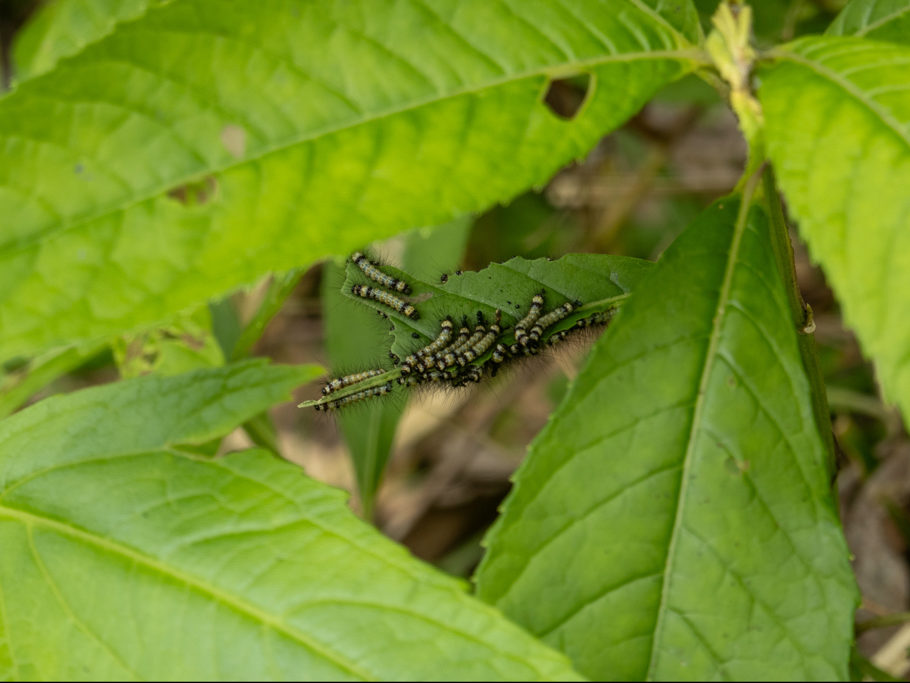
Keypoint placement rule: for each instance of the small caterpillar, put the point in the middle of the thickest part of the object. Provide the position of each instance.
(450, 358)
(381, 390)
(389, 300)
(521, 327)
(376, 275)
(550, 319)
(415, 360)
(469, 354)
(348, 380)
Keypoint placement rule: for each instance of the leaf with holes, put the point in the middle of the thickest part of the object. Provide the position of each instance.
(876, 19)
(207, 142)
(838, 132)
(125, 559)
(677, 510)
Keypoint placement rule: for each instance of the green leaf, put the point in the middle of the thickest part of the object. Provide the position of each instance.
(838, 131)
(887, 20)
(204, 144)
(599, 281)
(677, 512)
(123, 558)
(356, 339)
(61, 28)
(20, 385)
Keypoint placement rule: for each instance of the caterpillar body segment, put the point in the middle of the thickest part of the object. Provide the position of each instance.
(450, 357)
(550, 319)
(422, 360)
(381, 390)
(372, 271)
(346, 381)
(384, 297)
(521, 327)
(481, 346)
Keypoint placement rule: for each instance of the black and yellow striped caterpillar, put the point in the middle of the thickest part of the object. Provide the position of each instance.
(372, 271)
(384, 297)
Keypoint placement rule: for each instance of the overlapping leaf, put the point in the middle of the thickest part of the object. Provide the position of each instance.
(675, 518)
(838, 132)
(207, 142)
(62, 28)
(599, 281)
(877, 19)
(124, 559)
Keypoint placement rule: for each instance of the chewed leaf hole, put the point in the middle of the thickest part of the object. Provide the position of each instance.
(566, 96)
(196, 192)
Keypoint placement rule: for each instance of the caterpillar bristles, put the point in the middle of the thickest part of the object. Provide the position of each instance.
(372, 271)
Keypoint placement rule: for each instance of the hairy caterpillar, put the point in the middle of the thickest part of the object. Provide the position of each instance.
(389, 300)
(354, 398)
(470, 353)
(347, 380)
(550, 319)
(372, 271)
(521, 327)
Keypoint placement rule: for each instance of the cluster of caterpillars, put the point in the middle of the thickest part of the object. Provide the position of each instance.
(454, 358)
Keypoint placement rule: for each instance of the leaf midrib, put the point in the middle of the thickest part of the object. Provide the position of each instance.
(243, 607)
(691, 54)
(695, 430)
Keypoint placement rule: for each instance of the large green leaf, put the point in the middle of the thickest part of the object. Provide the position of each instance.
(123, 558)
(207, 142)
(879, 19)
(838, 132)
(61, 28)
(675, 518)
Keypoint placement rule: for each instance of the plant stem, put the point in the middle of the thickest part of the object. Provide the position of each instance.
(800, 312)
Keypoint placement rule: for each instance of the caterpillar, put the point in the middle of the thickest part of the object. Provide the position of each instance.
(371, 270)
(450, 358)
(551, 319)
(423, 358)
(470, 353)
(389, 300)
(381, 390)
(348, 380)
(521, 327)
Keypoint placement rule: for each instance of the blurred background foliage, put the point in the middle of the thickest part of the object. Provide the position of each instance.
(453, 453)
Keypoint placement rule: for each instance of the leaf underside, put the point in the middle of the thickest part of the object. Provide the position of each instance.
(676, 512)
(125, 559)
(838, 132)
(206, 143)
